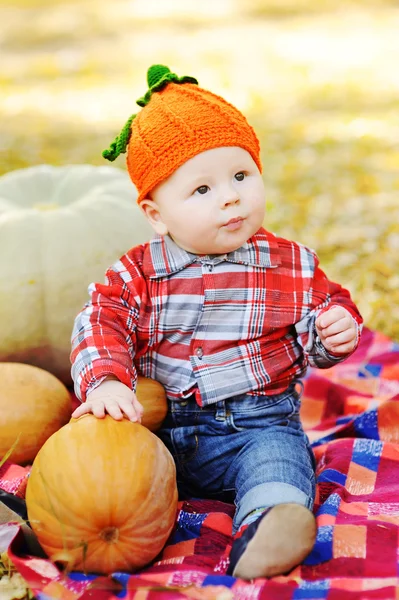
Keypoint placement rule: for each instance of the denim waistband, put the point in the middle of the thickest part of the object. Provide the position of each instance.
(221, 408)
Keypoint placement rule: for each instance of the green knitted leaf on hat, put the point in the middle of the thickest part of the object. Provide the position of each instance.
(120, 143)
(158, 77)
(155, 74)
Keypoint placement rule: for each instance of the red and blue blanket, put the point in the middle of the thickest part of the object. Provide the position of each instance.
(351, 414)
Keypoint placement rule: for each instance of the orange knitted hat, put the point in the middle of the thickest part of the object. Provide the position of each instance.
(178, 121)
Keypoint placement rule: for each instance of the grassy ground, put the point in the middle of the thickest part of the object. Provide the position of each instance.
(318, 80)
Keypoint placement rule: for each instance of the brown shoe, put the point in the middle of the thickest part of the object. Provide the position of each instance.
(275, 543)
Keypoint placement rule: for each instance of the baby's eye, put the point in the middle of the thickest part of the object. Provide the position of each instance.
(202, 189)
(239, 176)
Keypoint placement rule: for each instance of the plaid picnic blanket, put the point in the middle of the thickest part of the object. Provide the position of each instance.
(351, 414)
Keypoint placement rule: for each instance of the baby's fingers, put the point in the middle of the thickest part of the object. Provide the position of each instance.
(138, 408)
(340, 339)
(83, 409)
(97, 408)
(331, 316)
(114, 409)
(128, 408)
(343, 325)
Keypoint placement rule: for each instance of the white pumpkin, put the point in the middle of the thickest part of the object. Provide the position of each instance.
(60, 228)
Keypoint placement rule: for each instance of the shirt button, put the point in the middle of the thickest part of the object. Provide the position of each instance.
(199, 352)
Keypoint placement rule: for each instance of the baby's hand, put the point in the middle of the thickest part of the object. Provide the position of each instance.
(337, 330)
(114, 398)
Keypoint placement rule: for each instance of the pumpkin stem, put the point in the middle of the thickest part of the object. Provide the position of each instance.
(109, 535)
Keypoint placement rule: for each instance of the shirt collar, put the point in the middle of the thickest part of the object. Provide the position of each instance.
(163, 257)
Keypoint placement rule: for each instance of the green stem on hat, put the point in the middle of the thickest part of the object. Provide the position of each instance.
(158, 77)
(120, 143)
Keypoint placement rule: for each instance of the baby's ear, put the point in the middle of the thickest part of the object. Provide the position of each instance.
(152, 214)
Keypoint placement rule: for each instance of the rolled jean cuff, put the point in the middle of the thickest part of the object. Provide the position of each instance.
(269, 494)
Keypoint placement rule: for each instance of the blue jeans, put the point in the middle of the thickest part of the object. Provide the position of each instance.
(250, 449)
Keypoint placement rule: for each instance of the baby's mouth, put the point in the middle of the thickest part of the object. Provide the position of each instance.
(234, 224)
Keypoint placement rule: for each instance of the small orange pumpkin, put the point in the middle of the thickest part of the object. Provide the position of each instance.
(103, 493)
(33, 405)
(152, 396)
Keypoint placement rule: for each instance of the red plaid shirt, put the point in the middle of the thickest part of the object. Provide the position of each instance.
(214, 326)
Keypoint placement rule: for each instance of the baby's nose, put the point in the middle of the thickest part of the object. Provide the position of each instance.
(229, 198)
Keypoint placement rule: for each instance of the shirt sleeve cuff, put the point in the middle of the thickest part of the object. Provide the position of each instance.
(99, 371)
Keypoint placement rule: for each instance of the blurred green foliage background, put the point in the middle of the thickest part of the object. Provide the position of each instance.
(318, 79)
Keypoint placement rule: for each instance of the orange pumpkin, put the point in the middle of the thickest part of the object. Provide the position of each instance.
(152, 396)
(33, 405)
(103, 493)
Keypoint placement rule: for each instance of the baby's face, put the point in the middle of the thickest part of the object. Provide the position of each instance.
(212, 204)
